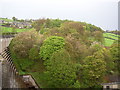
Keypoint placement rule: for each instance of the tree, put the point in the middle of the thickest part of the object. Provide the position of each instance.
(77, 49)
(34, 53)
(50, 46)
(114, 49)
(61, 72)
(67, 27)
(98, 35)
(110, 65)
(23, 42)
(14, 18)
(93, 71)
(39, 24)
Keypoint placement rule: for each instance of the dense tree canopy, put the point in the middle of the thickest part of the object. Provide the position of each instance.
(115, 52)
(65, 54)
(93, 71)
(23, 42)
(61, 72)
(51, 45)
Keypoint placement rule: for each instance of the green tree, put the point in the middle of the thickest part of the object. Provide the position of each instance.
(114, 49)
(14, 18)
(23, 42)
(51, 45)
(93, 71)
(39, 24)
(34, 53)
(98, 35)
(61, 72)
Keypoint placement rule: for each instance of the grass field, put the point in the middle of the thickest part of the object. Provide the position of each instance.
(7, 20)
(10, 29)
(110, 38)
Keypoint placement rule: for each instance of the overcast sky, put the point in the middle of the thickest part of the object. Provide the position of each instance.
(102, 13)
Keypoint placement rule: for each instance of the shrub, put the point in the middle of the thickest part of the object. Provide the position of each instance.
(34, 53)
(23, 42)
(93, 72)
(61, 72)
(51, 45)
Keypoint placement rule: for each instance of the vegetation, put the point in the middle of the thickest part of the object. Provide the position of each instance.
(50, 46)
(6, 19)
(93, 72)
(61, 72)
(110, 38)
(7, 30)
(66, 54)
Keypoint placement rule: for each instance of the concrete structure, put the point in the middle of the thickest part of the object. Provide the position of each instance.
(1, 73)
(113, 85)
(29, 79)
(119, 15)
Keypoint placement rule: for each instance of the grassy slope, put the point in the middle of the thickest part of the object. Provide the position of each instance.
(10, 29)
(7, 20)
(34, 68)
(108, 41)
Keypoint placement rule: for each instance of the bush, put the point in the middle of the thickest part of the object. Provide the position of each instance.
(51, 45)
(34, 53)
(61, 71)
(93, 72)
(23, 42)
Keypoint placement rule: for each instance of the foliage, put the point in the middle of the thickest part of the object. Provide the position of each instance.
(77, 49)
(14, 18)
(39, 24)
(71, 27)
(23, 42)
(98, 35)
(108, 59)
(61, 72)
(66, 54)
(47, 23)
(95, 46)
(92, 73)
(34, 53)
(51, 45)
(91, 27)
(42, 31)
(115, 48)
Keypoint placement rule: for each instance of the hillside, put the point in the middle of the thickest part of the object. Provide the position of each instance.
(6, 19)
(110, 38)
(66, 54)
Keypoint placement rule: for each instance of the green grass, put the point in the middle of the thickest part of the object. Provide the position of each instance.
(109, 42)
(109, 35)
(32, 67)
(7, 20)
(10, 29)
(40, 78)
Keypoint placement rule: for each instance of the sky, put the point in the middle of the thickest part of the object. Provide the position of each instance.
(102, 13)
